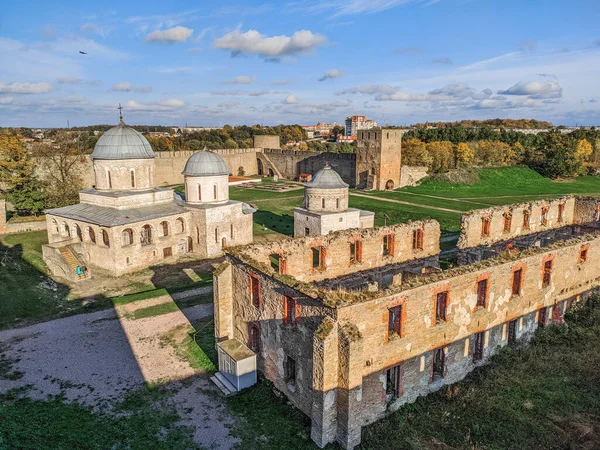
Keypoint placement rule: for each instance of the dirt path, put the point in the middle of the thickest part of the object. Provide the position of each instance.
(400, 202)
(98, 358)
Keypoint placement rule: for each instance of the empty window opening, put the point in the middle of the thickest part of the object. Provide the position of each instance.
(146, 235)
(388, 245)
(544, 216)
(276, 262)
(165, 228)
(512, 332)
(307, 231)
(180, 225)
(507, 222)
(105, 238)
(132, 179)
(517, 282)
(217, 235)
(485, 226)
(78, 233)
(441, 304)
(561, 212)
(417, 239)
(395, 321)
(317, 257)
(199, 192)
(547, 275)
(67, 229)
(290, 370)
(526, 219)
(337, 203)
(231, 231)
(92, 235)
(439, 363)
(583, 255)
(322, 203)
(215, 191)
(482, 292)
(254, 291)
(167, 252)
(290, 310)
(478, 347)
(109, 179)
(254, 337)
(542, 317)
(393, 383)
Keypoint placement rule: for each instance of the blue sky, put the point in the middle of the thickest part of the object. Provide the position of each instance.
(212, 62)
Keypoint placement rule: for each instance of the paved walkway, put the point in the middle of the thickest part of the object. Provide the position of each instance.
(401, 202)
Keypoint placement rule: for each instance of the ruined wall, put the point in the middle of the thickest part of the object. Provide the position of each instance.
(292, 163)
(587, 211)
(336, 256)
(169, 165)
(471, 223)
(412, 175)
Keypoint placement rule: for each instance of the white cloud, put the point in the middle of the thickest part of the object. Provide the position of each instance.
(68, 80)
(535, 89)
(253, 42)
(25, 88)
(170, 36)
(242, 79)
(125, 86)
(330, 74)
(163, 105)
(179, 70)
(6, 100)
(290, 100)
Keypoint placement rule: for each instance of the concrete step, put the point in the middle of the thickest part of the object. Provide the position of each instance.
(223, 384)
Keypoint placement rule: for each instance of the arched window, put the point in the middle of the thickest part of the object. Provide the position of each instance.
(322, 203)
(78, 233)
(146, 235)
(231, 231)
(109, 179)
(132, 178)
(105, 239)
(337, 203)
(165, 228)
(127, 237)
(66, 229)
(215, 191)
(200, 192)
(92, 235)
(180, 225)
(55, 227)
(217, 235)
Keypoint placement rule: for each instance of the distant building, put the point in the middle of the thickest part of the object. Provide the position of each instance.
(341, 138)
(355, 123)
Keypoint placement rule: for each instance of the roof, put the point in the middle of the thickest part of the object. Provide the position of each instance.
(205, 163)
(236, 349)
(111, 217)
(326, 178)
(122, 142)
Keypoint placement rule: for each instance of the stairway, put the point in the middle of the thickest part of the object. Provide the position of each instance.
(223, 384)
(71, 260)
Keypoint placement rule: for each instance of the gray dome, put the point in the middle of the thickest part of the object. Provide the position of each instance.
(326, 178)
(204, 164)
(122, 142)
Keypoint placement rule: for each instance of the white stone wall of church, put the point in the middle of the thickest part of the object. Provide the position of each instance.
(121, 174)
(128, 201)
(221, 221)
(334, 199)
(324, 224)
(207, 185)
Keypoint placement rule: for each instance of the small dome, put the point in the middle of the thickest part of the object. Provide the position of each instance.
(326, 178)
(205, 164)
(122, 142)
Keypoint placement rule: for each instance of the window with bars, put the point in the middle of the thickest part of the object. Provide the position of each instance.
(482, 293)
(441, 304)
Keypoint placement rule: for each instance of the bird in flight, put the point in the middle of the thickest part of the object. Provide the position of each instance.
(83, 53)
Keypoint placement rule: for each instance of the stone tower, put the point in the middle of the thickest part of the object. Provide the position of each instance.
(378, 158)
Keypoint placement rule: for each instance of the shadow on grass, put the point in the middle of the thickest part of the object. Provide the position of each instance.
(280, 223)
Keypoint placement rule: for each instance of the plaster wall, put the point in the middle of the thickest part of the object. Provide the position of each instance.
(324, 223)
(202, 190)
(126, 174)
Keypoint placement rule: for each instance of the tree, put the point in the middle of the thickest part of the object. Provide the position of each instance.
(414, 153)
(337, 129)
(465, 157)
(584, 151)
(61, 164)
(24, 191)
(560, 156)
(442, 155)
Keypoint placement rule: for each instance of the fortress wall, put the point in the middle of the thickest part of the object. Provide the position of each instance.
(169, 165)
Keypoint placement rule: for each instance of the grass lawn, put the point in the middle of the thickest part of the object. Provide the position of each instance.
(544, 396)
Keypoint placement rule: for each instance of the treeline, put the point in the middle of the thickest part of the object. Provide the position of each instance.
(552, 154)
(530, 124)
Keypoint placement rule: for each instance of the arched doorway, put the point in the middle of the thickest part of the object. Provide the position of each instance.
(271, 173)
(224, 242)
(190, 244)
(389, 185)
(259, 165)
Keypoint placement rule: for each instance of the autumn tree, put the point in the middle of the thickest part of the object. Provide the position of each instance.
(441, 154)
(584, 151)
(465, 157)
(414, 153)
(23, 190)
(61, 163)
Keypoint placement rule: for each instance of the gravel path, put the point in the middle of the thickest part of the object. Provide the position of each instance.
(99, 357)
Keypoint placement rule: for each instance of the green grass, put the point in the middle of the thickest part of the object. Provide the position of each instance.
(54, 424)
(154, 310)
(199, 349)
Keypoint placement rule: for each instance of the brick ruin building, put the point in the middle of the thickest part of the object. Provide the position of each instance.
(352, 325)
